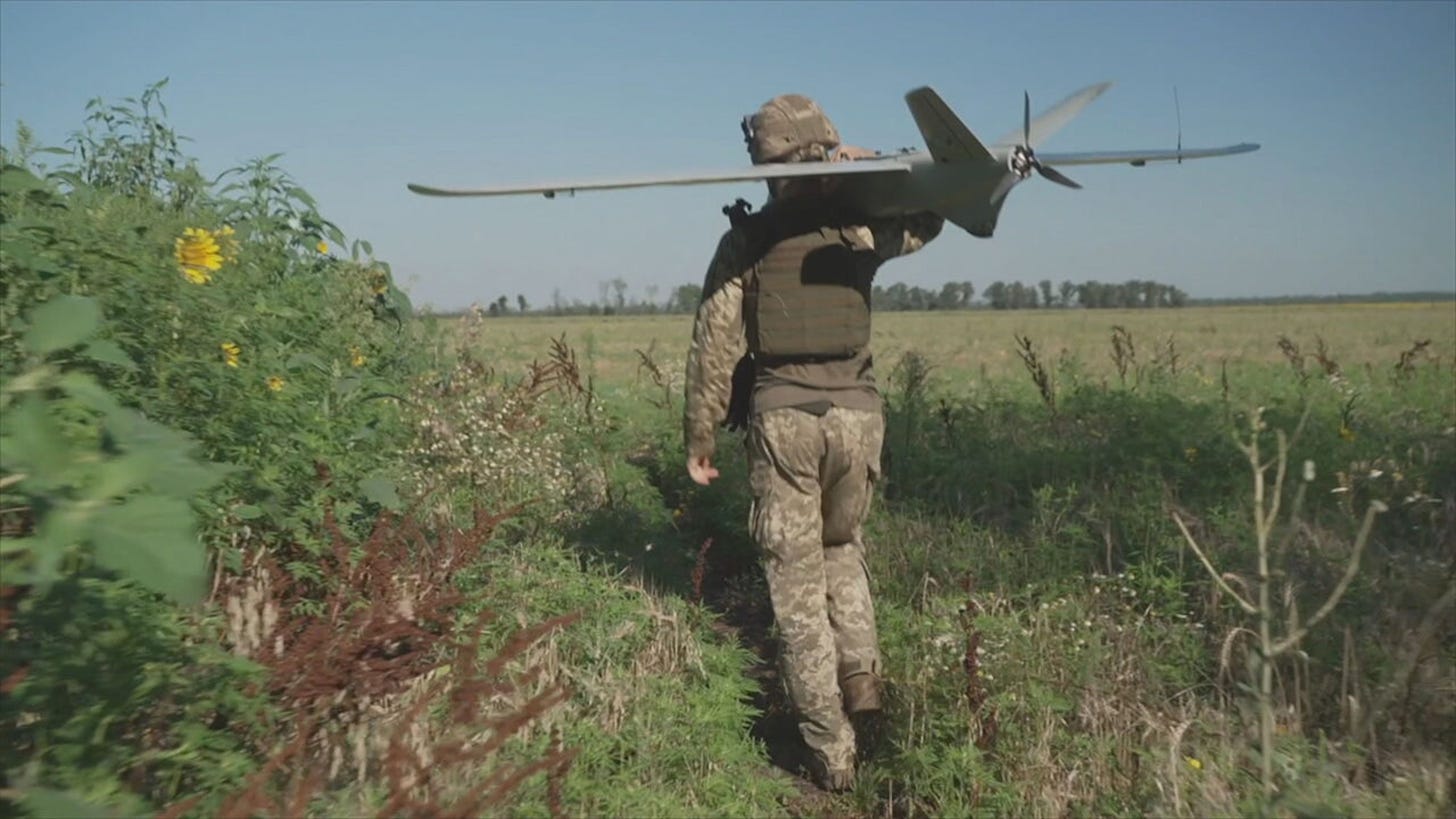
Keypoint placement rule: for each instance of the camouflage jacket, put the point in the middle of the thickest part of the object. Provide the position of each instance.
(719, 336)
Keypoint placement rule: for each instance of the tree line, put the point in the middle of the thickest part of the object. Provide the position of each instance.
(613, 298)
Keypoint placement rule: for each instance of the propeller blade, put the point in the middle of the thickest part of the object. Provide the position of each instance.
(1178, 111)
(1056, 176)
(1051, 120)
(1026, 119)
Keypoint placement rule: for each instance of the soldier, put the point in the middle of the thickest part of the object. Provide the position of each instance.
(785, 319)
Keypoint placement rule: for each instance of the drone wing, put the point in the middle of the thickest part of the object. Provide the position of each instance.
(756, 173)
(1140, 158)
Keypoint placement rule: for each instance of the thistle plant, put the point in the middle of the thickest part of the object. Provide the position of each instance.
(1267, 497)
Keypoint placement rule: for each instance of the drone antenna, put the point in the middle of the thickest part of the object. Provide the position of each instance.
(1178, 112)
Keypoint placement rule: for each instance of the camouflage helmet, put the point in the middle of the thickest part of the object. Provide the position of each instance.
(789, 128)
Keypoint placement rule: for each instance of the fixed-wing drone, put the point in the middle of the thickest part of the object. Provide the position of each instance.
(956, 176)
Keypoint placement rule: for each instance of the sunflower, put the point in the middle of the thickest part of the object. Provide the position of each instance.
(197, 254)
(356, 357)
(231, 353)
(322, 246)
(227, 239)
(275, 383)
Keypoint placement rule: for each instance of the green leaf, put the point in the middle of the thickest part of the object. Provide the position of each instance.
(62, 322)
(45, 803)
(248, 512)
(399, 301)
(309, 359)
(117, 476)
(33, 444)
(302, 195)
(15, 178)
(88, 391)
(171, 469)
(107, 351)
(381, 490)
(151, 539)
(26, 255)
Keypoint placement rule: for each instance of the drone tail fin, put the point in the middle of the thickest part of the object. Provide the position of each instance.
(946, 137)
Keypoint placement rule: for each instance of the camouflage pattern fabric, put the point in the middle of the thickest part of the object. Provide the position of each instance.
(789, 128)
(812, 478)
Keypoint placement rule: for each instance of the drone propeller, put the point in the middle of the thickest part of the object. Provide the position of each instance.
(1023, 158)
(1178, 111)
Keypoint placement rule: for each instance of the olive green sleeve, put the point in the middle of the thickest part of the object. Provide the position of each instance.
(719, 340)
(904, 235)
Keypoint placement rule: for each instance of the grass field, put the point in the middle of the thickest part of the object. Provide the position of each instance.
(1110, 676)
(980, 343)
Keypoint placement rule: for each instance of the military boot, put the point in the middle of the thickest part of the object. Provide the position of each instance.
(834, 780)
(861, 693)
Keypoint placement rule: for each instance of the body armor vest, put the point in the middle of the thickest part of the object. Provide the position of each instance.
(809, 295)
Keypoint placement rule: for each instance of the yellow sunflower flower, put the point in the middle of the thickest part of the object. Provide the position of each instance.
(197, 254)
(275, 383)
(356, 357)
(322, 246)
(378, 283)
(231, 353)
(227, 241)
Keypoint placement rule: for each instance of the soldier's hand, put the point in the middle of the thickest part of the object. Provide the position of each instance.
(849, 153)
(701, 469)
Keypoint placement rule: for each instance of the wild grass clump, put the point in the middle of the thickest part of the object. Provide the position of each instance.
(1115, 671)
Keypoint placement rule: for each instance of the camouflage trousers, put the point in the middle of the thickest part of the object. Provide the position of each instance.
(812, 478)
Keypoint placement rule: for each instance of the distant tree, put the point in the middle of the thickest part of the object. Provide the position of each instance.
(995, 295)
(1152, 293)
(1068, 292)
(619, 285)
(521, 303)
(1019, 296)
(1046, 292)
(1128, 293)
(898, 296)
(949, 298)
(685, 298)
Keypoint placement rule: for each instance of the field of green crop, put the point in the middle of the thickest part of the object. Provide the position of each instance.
(274, 545)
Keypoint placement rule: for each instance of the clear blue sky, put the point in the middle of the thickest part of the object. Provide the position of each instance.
(1354, 103)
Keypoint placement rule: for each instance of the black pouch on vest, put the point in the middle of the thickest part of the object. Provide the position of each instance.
(740, 403)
